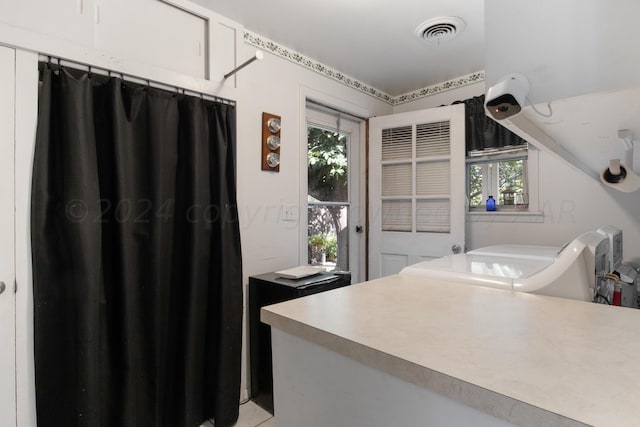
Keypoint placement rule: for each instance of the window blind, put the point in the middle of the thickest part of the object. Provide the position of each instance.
(416, 178)
(397, 215)
(432, 139)
(433, 216)
(396, 180)
(433, 178)
(397, 143)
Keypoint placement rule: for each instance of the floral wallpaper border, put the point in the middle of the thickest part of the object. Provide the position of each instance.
(472, 78)
(295, 57)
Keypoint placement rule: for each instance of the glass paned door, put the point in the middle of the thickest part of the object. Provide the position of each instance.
(328, 198)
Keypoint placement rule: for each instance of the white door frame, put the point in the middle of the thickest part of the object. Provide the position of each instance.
(7, 238)
(16, 169)
(25, 125)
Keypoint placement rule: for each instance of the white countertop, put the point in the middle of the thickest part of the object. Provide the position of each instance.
(528, 359)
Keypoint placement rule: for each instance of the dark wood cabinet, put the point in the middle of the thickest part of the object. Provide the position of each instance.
(266, 289)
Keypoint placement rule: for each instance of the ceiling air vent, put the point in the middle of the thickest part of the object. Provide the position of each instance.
(440, 29)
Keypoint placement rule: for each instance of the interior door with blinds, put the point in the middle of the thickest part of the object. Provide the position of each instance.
(416, 188)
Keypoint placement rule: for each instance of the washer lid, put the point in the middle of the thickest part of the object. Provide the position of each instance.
(480, 270)
(519, 251)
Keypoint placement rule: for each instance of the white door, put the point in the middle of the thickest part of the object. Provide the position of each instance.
(416, 188)
(7, 250)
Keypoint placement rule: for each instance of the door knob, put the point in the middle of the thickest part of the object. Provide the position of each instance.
(358, 229)
(456, 249)
(2, 287)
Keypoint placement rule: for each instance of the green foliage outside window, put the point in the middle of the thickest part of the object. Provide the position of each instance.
(327, 163)
(475, 185)
(327, 172)
(510, 177)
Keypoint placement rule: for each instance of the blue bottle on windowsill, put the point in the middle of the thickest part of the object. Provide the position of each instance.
(491, 204)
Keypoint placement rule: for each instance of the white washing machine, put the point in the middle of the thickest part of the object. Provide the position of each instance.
(569, 272)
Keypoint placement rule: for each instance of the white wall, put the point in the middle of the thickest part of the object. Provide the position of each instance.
(277, 86)
(572, 202)
(274, 85)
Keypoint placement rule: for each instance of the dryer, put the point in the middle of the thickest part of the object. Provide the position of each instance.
(572, 271)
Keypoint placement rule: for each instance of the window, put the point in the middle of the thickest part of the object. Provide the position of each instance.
(328, 197)
(500, 164)
(502, 174)
(333, 218)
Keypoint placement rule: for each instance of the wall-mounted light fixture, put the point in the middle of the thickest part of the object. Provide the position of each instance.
(270, 142)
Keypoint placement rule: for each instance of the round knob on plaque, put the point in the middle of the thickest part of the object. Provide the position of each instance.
(273, 142)
(273, 124)
(273, 160)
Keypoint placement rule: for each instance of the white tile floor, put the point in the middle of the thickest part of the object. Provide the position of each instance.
(251, 415)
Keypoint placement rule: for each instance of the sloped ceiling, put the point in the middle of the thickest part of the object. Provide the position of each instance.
(579, 55)
(587, 126)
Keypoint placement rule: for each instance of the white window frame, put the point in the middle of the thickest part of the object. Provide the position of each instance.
(358, 265)
(533, 214)
(350, 130)
(490, 181)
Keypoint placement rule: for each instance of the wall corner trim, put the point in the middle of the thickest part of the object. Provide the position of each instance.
(274, 48)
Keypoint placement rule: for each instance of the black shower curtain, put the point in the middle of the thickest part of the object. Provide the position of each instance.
(136, 256)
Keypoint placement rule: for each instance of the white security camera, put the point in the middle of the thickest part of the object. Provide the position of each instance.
(507, 97)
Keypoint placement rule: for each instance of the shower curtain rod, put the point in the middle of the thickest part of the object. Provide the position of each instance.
(323, 107)
(128, 77)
